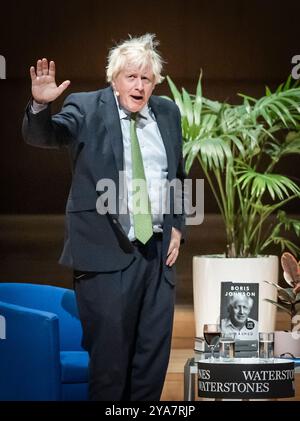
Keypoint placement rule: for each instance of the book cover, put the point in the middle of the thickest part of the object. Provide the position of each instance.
(239, 312)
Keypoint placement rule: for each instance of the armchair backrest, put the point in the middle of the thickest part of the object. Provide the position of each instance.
(60, 301)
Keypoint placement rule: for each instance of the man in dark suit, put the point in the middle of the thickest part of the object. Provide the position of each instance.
(123, 262)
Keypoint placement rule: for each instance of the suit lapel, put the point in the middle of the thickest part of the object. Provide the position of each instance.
(111, 120)
(161, 116)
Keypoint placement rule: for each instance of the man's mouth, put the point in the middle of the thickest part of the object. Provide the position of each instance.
(137, 97)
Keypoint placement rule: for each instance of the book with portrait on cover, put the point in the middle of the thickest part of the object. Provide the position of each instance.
(239, 312)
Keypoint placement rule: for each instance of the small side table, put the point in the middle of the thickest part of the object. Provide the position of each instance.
(191, 370)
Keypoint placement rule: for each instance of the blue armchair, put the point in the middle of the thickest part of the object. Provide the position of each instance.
(41, 357)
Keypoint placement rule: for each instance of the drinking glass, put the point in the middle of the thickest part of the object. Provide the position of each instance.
(266, 345)
(212, 333)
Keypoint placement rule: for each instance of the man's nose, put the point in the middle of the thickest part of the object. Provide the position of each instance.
(139, 84)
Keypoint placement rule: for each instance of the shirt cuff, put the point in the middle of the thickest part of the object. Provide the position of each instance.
(37, 108)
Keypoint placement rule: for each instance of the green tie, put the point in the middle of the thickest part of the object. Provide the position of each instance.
(142, 218)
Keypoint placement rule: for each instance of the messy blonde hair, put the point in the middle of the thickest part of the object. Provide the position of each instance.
(139, 52)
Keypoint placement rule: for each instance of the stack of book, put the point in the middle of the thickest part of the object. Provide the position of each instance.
(243, 348)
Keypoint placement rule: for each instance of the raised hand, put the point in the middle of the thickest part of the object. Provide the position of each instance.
(44, 88)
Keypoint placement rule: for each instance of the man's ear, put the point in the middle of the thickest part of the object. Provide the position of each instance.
(113, 85)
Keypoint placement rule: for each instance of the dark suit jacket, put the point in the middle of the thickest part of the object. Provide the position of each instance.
(89, 126)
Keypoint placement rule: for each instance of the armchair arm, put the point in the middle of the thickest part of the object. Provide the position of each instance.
(29, 354)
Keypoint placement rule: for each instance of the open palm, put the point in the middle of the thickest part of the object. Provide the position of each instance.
(44, 88)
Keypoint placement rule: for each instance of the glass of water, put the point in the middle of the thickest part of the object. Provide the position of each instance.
(266, 345)
(227, 346)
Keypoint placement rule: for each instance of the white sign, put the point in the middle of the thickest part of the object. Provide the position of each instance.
(2, 67)
(2, 327)
(296, 69)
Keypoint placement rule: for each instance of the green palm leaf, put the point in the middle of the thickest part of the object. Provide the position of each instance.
(190, 151)
(188, 106)
(289, 223)
(177, 96)
(214, 152)
(277, 185)
(237, 142)
(238, 147)
(286, 244)
(198, 102)
(273, 107)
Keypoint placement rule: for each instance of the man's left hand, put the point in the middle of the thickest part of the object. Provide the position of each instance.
(174, 246)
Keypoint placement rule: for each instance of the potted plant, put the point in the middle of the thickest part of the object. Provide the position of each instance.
(238, 148)
(288, 342)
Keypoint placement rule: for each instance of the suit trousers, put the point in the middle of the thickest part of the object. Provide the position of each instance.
(127, 319)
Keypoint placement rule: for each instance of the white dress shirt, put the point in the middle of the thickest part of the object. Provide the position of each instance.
(154, 160)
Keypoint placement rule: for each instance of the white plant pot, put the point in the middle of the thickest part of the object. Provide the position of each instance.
(210, 271)
(287, 343)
